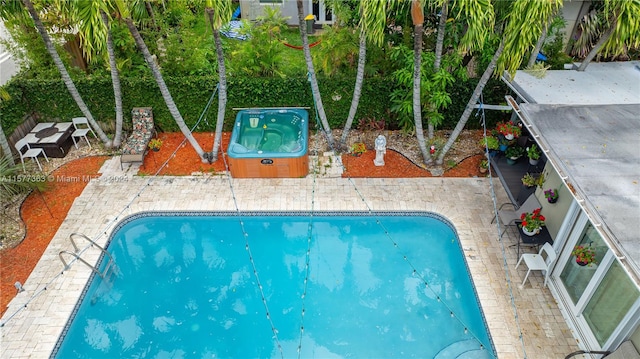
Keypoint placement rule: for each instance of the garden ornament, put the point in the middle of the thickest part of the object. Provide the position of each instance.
(381, 149)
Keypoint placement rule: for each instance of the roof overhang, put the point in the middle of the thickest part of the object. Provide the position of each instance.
(595, 151)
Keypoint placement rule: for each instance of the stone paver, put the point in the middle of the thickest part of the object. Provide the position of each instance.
(466, 202)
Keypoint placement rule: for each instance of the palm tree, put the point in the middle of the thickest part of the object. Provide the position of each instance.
(471, 104)
(373, 16)
(95, 34)
(442, 25)
(219, 12)
(155, 70)
(312, 76)
(525, 20)
(517, 41)
(4, 144)
(624, 27)
(115, 80)
(536, 50)
(417, 16)
(64, 74)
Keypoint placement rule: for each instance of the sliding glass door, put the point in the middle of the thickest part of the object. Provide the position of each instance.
(575, 276)
(599, 295)
(610, 302)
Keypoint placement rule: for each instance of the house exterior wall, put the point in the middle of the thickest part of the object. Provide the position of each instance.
(8, 66)
(554, 212)
(572, 11)
(251, 9)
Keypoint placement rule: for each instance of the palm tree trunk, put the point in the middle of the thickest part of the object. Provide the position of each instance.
(418, 19)
(536, 50)
(598, 46)
(4, 144)
(64, 74)
(222, 94)
(312, 76)
(166, 95)
(442, 26)
(115, 80)
(147, 5)
(471, 104)
(362, 58)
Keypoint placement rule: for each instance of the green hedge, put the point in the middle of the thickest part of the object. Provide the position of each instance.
(50, 99)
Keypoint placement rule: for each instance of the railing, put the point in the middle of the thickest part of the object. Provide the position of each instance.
(76, 255)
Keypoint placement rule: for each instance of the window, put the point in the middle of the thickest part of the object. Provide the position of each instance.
(575, 277)
(610, 302)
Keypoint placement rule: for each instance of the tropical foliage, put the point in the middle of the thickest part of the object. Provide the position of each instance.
(14, 181)
(455, 37)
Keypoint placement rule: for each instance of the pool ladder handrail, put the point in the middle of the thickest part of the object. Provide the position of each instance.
(77, 256)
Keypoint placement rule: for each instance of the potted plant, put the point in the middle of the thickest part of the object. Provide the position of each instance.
(357, 149)
(484, 166)
(585, 255)
(534, 154)
(528, 180)
(513, 153)
(503, 143)
(508, 130)
(532, 222)
(551, 195)
(155, 144)
(490, 143)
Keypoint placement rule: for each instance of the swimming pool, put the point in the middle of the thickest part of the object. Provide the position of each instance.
(186, 287)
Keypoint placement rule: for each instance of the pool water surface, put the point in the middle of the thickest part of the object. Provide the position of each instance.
(281, 285)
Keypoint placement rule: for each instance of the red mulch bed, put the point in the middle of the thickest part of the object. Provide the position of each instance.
(44, 212)
(398, 166)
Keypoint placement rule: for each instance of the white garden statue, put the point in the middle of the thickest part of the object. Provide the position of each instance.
(381, 150)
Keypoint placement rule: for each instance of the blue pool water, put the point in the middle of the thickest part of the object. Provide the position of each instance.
(185, 288)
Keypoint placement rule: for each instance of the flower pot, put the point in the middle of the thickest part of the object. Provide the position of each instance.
(511, 160)
(532, 233)
(533, 162)
(552, 200)
(503, 148)
(482, 170)
(581, 264)
(509, 136)
(155, 149)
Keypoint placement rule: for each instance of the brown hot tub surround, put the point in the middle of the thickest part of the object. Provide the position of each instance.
(269, 143)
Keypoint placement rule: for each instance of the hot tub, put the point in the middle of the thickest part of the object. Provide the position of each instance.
(269, 143)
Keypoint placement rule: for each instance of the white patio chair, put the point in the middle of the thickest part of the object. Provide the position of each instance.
(81, 131)
(29, 153)
(509, 216)
(535, 261)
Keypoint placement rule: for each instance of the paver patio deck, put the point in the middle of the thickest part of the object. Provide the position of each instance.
(466, 202)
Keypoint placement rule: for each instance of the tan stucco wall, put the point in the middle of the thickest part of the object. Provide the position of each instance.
(554, 212)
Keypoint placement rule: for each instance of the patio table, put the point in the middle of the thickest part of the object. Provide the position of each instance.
(537, 240)
(53, 138)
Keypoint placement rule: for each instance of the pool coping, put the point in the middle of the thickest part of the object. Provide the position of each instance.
(466, 202)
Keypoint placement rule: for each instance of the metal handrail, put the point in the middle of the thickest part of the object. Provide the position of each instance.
(76, 256)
